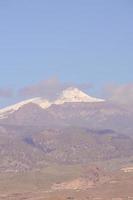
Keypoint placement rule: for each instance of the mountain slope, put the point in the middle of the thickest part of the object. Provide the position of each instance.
(23, 148)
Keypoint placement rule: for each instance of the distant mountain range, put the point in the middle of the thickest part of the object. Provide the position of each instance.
(73, 129)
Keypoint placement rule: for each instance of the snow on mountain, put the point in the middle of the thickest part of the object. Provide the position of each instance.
(75, 95)
(10, 109)
(69, 95)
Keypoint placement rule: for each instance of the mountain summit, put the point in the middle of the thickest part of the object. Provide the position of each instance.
(69, 95)
(75, 95)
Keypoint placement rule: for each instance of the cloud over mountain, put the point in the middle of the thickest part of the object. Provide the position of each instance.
(6, 93)
(49, 88)
(120, 93)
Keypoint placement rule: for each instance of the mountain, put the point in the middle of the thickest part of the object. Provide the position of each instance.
(93, 115)
(69, 95)
(74, 144)
(73, 129)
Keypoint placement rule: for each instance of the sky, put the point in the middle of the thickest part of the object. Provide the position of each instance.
(77, 41)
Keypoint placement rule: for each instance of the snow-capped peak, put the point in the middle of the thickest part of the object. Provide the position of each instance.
(75, 95)
(69, 95)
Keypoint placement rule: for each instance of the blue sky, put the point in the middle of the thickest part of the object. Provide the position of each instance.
(75, 40)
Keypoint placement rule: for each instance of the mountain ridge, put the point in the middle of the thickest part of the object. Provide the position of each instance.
(70, 95)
